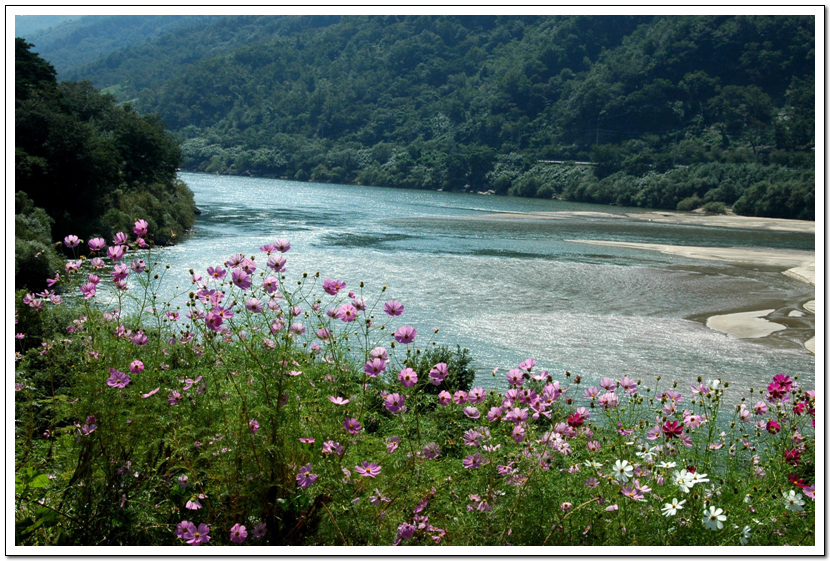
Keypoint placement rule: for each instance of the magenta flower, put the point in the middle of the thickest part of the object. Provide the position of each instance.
(338, 400)
(216, 272)
(672, 429)
(392, 444)
(151, 392)
(115, 252)
(97, 244)
(332, 287)
(352, 425)
(408, 377)
(214, 321)
(445, 397)
(140, 227)
(174, 398)
(276, 263)
(431, 451)
(474, 461)
(71, 241)
(394, 402)
(332, 447)
(347, 313)
(120, 239)
(374, 367)
(88, 290)
(405, 334)
(139, 338)
(248, 265)
(393, 308)
(472, 412)
(136, 367)
(460, 397)
(241, 279)
(259, 530)
(307, 440)
(495, 414)
(197, 536)
(773, 426)
(117, 379)
(181, 528)
(368, 470)
(438, 374)
(476, 395)
(238, 533)
(305, 478)
(253, 425)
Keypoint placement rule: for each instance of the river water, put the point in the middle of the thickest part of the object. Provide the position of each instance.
(514, 289)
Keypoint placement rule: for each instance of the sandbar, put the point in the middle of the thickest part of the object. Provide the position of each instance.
(797, 264)
(666, 217)
(745, 325)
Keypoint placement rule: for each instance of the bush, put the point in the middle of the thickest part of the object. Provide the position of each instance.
(690, 203)
(715, 207)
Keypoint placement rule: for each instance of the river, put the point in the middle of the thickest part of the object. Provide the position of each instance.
(514, 289)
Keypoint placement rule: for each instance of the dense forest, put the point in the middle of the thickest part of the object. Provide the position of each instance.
(675, 112)
(86, 166)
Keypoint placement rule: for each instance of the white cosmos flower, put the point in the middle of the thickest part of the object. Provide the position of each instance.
(794, 501)
(713, 518)
(593, 464)
(670, 509)
(745, 535)
(623, 471)
(683, 480)
(667, 465)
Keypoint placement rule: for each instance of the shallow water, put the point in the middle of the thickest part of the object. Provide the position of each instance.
(513, 289)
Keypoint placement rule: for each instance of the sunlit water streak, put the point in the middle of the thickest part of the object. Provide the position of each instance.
(509, 290)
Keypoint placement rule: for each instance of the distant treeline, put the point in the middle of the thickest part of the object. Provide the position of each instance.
(667, 107)
(87, 166)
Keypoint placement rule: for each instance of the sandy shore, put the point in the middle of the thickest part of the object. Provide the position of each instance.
(796, 264)
(690, 218)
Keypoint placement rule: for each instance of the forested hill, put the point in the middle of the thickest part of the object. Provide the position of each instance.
(672, 111)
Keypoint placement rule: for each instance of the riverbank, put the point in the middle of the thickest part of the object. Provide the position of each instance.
(799, 265)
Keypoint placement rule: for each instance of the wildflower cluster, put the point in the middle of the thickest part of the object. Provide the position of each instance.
(301, 412)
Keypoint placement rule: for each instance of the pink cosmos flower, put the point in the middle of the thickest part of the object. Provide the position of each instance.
(460, 397)
(151, 392)
(474, 461)
(609, 400)
(254, 305)
(248, 265)
(629, 385)
(445, 398)
(214, 321)
(305, 478)
(438, 374)
(259, 530)
(71, 241)
(136, 367)
(174, 398)
(761, 408)
(238, 533)
(347, 313)
(374, 367)
(392, 444)
(515, 377)
(332, 287)
(88, 290)
(368, 469)
(217, 272)
(117, 379)
(405, 334)
(139, 338)
(338, 400)
(431, 451)
(408, 377)
(253, 425)
(472, 412)
(332, 447)
(120, 239)
(352, 425)
(495, 414)
(307, 440)
(394, 402)
(115, 252)
(476, 395)
(672, 429)
(241, 279)
(140, 227)
(282, 245)
(197, 536)
(97, 244)
(276, 263)
(393, 308)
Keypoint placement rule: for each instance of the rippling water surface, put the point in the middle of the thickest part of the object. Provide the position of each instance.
(513, 289)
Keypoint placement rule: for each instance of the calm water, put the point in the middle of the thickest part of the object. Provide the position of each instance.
(510, 290)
